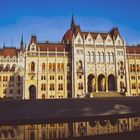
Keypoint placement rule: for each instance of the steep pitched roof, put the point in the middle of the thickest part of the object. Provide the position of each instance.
(67, 38)
(8, 51)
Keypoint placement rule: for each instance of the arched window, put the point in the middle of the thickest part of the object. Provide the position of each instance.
(53, 66)
(32, 66)
(43, 67)
(62, 66)
(50, 66)
(108, 57)
(98, 57)
(58, 67)
(88, 57)
(92, 57)
(112, 57)
(102, 57)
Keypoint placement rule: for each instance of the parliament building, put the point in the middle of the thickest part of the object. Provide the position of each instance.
(83, 64)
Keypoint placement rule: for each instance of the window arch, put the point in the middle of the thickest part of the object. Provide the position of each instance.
(88, 56)
(98, 57)
(92, 57)
(102, 57)
(43, 67)
(108, 57)
(62, 66)
(53, 66)
(58, 67)
(111, 57)
(32, 66)
(50, 66)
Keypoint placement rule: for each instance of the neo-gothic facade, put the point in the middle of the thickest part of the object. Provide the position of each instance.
(84, 64)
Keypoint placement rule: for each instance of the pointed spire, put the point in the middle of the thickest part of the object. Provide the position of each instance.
(4, 44)
(72, 22)
(21, 44)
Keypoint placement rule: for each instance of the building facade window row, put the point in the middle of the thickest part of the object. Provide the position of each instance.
(100, 57)
(134, 68)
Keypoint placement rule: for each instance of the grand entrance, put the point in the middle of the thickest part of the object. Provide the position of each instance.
(111, 83)
(91, 83)
(101, 82)
(32, 92)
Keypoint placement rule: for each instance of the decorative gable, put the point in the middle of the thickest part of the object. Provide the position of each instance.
(118, 41)
(78, 39)
(89, 39)
(108, 41)
(33, 47)
(99, 40)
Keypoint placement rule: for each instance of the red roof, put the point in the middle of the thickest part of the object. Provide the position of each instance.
(75, 30)
(52, 47)
(7, 51)
(133, 49)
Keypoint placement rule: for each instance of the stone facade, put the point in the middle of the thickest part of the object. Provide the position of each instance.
(83, 64)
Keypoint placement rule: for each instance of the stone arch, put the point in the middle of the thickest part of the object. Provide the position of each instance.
(111, 83)
(32, 92)
(91, 83)
(101, 82)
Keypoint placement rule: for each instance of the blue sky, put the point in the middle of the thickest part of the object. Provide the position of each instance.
(50, 19)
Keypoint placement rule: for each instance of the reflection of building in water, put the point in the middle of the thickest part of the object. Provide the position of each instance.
(69, 130)
(83, 63)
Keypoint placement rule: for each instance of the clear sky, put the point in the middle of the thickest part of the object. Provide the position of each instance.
(50, 19)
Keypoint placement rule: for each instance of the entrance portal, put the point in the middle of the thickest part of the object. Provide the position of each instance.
(111, 83)
(32, 92)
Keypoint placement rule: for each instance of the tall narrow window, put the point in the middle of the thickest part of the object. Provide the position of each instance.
(98, 57)
(92, 57)
(102, 57)
(58, 67)
(53, 66)
(112, 57)
(43, 67)
(88, 57)
(32, 66)
(108, 57)
(50, 66)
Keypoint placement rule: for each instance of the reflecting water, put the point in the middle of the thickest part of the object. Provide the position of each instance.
(69, 130)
